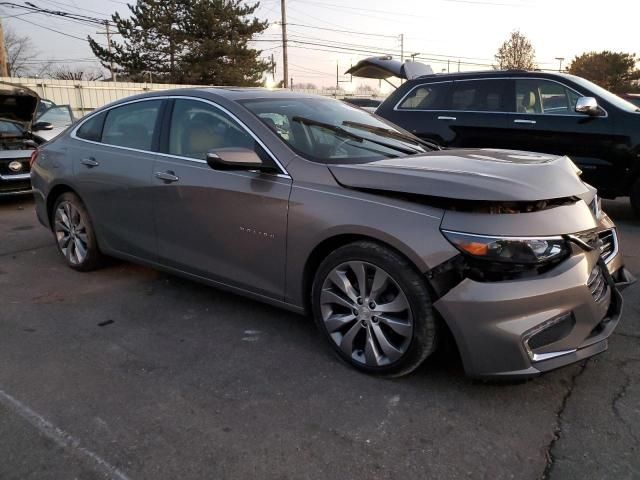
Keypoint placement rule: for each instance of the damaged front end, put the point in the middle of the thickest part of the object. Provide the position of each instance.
(518, 303)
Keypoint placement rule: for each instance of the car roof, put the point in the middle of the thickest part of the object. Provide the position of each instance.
(248, 93)
(493, 74)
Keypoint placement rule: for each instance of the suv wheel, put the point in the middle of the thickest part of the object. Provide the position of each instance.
(635, 197)
(374, 308)
(74, 233)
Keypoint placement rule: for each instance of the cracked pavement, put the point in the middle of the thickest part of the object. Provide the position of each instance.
(135, 374)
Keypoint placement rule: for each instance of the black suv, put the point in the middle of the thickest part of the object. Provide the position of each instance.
(522, 110)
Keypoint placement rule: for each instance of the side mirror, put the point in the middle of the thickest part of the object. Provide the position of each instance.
(588, 106)
(39, 126)
(234, 159)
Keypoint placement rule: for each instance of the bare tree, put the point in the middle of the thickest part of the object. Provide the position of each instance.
(516, 53)
(66, 72)
(20, 53)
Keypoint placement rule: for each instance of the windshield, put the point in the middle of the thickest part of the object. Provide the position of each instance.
(330, 131)
(605, 94)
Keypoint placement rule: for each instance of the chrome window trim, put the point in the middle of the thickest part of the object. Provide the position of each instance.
(397, 107)
(73, 134)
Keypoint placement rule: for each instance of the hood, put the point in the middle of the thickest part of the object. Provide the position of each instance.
(483, 175)
(385, 67)
(18, 104)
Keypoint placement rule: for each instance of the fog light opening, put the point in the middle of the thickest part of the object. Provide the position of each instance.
(548, 332)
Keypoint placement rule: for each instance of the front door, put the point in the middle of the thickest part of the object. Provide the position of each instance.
(227, 226)
(545, 120)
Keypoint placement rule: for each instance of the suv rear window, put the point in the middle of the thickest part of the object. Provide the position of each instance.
(482, 95)
(426, 97)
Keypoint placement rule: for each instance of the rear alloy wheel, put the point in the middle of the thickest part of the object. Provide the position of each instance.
(374, 308)
(635, 197)
(74, 233)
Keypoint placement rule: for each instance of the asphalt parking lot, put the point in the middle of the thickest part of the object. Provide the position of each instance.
(128, 373)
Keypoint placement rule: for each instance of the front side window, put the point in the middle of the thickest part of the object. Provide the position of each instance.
(481, 95)
(198, 128)
(132, 125)
(331, 131)
(544, 96)
(426, 97)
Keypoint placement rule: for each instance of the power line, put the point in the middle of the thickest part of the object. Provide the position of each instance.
(342, 31)
(52, 29)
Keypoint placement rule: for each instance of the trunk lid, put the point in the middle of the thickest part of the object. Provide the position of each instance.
(483, 175)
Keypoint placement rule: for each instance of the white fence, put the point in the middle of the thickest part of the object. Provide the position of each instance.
(84, 96)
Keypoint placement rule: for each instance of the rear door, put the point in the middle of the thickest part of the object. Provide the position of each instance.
(227, 226)
(113, 164)
(477, 110)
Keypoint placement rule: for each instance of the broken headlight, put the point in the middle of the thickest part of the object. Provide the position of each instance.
(526, 251)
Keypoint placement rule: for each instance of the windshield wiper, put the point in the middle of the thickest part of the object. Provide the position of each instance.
(387, 132)
(354, 136)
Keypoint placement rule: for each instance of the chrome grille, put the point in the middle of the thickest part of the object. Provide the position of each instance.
(597, 284)
(608, 244)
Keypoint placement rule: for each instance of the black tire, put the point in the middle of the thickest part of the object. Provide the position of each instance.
(424, 337)
(93, 258)
(635, 197)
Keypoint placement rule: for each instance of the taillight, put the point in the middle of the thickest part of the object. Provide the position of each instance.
(34, 157)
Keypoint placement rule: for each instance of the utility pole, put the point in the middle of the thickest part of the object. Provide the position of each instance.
(402, 48)
(560, 59)
(107, 32)
(3, 54)
(448, 66)
(285, 60)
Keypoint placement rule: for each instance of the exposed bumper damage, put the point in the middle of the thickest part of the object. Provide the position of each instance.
(523, 326)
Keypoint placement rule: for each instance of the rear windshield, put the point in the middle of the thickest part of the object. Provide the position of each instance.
(331, 131)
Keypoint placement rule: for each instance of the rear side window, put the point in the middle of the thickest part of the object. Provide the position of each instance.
(426, 97)
(132, 125)
(92, 128)
(482, 95)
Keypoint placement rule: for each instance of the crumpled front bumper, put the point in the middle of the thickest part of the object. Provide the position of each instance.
(492, 321)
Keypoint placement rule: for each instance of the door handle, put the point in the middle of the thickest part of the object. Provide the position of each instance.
(451, 119)
(527, 122)
(167, 177)
(89, 162)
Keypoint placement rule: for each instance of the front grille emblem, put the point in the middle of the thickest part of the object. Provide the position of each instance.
(15, 166)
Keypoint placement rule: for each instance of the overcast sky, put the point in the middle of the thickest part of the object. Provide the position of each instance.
(469, 31)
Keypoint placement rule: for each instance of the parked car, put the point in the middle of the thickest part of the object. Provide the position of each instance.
(553, 113)
(313, 205)
(22, 129)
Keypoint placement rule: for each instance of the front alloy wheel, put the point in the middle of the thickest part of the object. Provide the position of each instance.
(375, 308)
(366, 313)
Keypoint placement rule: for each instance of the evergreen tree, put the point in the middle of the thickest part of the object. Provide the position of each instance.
(187, 41)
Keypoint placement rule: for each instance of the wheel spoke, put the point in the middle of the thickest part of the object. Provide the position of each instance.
(346, 344)
(398, 304)
(80, 249)
(64, 217)
(336, 322)
(371, 354)
(64, 240)
(380, 282)
(340, 280)
(391, 352)
(358, 268)
(59, 225)
(332, 298)
(401, 327)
